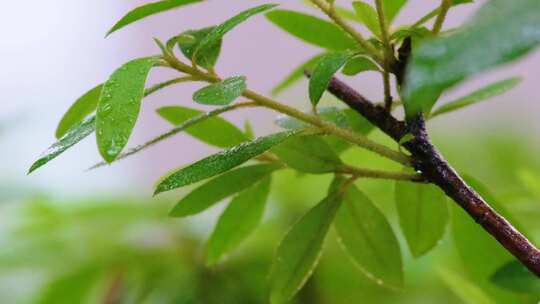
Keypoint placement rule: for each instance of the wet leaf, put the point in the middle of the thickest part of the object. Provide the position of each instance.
(312, 30)
(221, 93)
(80, 110)
(220, 162)
(148, 10)
(72, 137)
(238, 221)
(119, 105)
(214, 131)
(190, 40)
(219, 188)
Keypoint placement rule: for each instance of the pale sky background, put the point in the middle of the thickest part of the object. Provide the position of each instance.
(53, 51)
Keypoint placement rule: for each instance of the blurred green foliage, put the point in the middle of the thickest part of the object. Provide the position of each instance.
(127, 251)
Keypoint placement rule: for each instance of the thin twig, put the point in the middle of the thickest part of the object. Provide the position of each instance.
(379, 174)
(437, 170)
(445, 6)
(186, 124)
(167, 83)
(353, 137)
(331, 13)
(388, 55)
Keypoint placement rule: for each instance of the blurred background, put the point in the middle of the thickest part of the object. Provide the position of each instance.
(72, 236)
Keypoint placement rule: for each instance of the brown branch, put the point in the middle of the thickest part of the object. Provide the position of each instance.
(435, 169)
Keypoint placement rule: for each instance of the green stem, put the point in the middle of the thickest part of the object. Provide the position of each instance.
(350, 136)
(388, 55)
(167, 83)
(427, 17)
(314, 120)
(179, 128)
(445, 6)
(379, 174)
(331, 13)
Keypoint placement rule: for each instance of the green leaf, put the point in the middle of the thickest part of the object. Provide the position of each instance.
(329, 114)
(423, 215)
(148, 10)
(238, 221)
(368, 238)
(500, 32)
(72, 137)
(368, 15)
(296, 75)
(221, 93)
(391, 8)
(299, 252)
(210, 40)
(312, 30)
(323, 73)
(517, 278)
(189, 41)
(466, 290)
(119, 105)
(482, 94)
(83, 107)
(214, 131)
(220, 162)
(359, 64)
(308, 154)
(219, 188)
